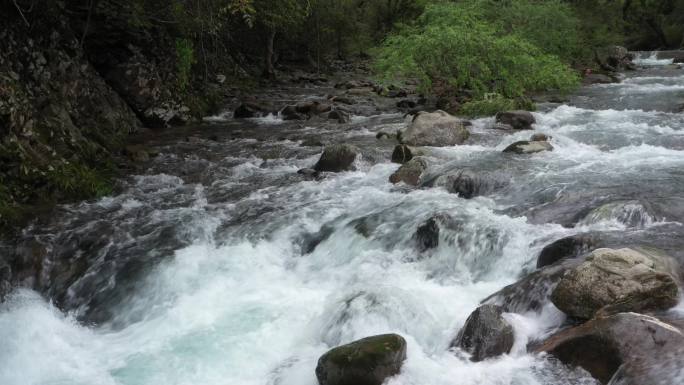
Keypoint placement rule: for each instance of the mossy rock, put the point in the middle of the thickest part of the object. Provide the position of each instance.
(368, 361)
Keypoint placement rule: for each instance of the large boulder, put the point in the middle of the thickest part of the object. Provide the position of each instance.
(516, 120)
(337, 157)
(437, 129)
(485, 334)
(410, 172)
(528, 147)
(611, 281)
(625, 349)
(368, 361)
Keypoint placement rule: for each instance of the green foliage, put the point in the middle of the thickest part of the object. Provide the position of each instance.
(493, 103)
(185, 58)
(78, 181)
(459, 46)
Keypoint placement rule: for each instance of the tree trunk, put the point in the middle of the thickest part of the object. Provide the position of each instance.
(269, 70)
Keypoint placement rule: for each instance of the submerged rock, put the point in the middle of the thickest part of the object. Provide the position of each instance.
(611, 281)
(528, 147)
(485, 334)
(410, 172)
(427, 235)
(517, 120)
(339, 115)
(337, 157)
(368, 361)
(291, 113)
(437, 129)
(625, 348)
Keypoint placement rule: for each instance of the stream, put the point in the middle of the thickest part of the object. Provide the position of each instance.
(220, 264)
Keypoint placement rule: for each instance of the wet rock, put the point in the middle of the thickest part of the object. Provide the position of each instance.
(291, 113)
(528, 147)
(611, 281)
(401, 154)
(631, 213)
(427, 235)
(436, 129)
(568, 247)
(343, 100)
(410, 172)
(337, 157)
(539, 137)
(249, 110)
(533, 291)
(368, 361)
(406, 103)
(614, 58)
(340, 116)
(312, 142)
(309, 173)
(595, 78)
(517, 120)
(625, 348)
(485, 334)
(467, 183)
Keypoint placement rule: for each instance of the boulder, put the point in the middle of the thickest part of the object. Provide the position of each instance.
(249, 110)
(410, 172)
(339, 115)
(467, 183)
(611, 281)
(436, 129)
(594, 78)
(368, 361)
(528, 147)
(568, 247)
(532, 292)
(625, 349)
(337, 157)
(517, 120)
(292, 113)
(614, 58)
(401, 154)
(485, 334)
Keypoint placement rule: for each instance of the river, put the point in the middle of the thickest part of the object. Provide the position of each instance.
(219, 264)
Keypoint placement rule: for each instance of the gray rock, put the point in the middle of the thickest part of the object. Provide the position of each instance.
(427, 235)
(624, 349)
(249, 110)
(410, 172)
(337, 157)
(518, 120)
(485, 334)
(568, 247)
(614, 58)
(368, 361)
(437, 129)
(339, 115)
(468, 183)
(611, 281)
(528, 147)
(594, 78)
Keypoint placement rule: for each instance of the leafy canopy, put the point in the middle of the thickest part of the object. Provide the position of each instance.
(469, 45)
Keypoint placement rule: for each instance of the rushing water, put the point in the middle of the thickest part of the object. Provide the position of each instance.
(221, 265)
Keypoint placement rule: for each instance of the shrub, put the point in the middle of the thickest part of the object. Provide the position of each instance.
(455, 44)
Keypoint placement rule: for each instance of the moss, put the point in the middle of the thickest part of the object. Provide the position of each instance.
(366, 352)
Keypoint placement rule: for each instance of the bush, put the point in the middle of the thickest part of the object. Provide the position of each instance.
(490, 105)
(185, 58)
(457, 45)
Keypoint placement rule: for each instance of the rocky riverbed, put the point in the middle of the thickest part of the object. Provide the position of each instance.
(541, 248)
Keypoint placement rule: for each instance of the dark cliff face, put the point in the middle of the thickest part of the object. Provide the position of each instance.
(74, 83)
(59, 120)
